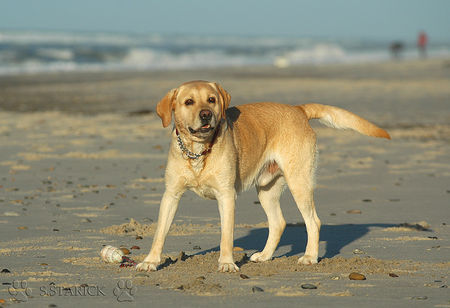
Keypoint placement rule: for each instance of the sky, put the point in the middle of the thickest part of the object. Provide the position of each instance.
(374, 19)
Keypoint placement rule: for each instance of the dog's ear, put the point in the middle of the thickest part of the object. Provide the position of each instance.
(165, 107)
(226, 98)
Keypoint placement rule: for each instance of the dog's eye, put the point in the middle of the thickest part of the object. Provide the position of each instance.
(212, 100)
(189, 102)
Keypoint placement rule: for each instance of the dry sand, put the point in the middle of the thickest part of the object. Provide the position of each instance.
(85, 169)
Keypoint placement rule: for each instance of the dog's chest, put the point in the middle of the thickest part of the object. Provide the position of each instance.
(196, 167)
(201, 187)
(200, 180)
(204, 191)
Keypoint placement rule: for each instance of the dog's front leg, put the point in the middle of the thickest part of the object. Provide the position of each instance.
(226, 210)
(169, 205)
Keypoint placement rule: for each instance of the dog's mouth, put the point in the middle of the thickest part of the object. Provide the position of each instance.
(205, 128)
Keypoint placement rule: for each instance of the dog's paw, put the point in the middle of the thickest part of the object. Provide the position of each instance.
(146, 267)
(228, 267)
(259, 257)
(307, 260)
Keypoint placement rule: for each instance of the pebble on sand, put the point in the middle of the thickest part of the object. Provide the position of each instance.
(356, 276)
(257, 289)
(243, 276)
(420, 297)
(308, 286)
(354, 212)
(125, 251)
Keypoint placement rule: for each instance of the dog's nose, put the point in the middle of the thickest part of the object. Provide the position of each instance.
(205, 114)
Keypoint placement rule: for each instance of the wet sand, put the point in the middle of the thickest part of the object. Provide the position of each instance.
(82, 159)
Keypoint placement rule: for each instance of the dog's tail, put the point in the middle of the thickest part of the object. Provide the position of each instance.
(342, 119)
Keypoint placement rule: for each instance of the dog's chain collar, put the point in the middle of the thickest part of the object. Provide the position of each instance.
(190, 154)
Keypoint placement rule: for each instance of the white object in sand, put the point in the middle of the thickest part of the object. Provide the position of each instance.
(111, 254)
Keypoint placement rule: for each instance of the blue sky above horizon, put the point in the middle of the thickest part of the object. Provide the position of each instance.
(381, 19)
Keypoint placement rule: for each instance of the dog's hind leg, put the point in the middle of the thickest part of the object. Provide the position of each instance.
(305, 203)
(300, 179)
(269, 196)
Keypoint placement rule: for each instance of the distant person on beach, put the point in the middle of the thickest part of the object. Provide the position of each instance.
(422, 41)
(396, 48)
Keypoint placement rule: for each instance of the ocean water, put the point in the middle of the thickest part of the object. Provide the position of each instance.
(41, 51)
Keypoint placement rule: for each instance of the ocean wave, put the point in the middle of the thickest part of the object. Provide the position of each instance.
(34, 52)
(317, 54)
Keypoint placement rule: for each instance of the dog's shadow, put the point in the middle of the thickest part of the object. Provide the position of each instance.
(336, 237)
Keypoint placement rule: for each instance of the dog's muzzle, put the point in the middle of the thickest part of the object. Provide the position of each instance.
(205, 118)
(203, 129)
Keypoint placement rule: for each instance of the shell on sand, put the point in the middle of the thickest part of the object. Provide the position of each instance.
(111, 254)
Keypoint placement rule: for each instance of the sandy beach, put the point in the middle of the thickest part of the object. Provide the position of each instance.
(82, 159)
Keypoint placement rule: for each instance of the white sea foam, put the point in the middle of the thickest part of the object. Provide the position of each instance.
(317, 54)
(34, 52)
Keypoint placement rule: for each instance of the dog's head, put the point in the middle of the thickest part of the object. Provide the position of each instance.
(198, 108)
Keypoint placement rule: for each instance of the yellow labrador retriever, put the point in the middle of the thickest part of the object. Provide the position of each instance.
(218, 151)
